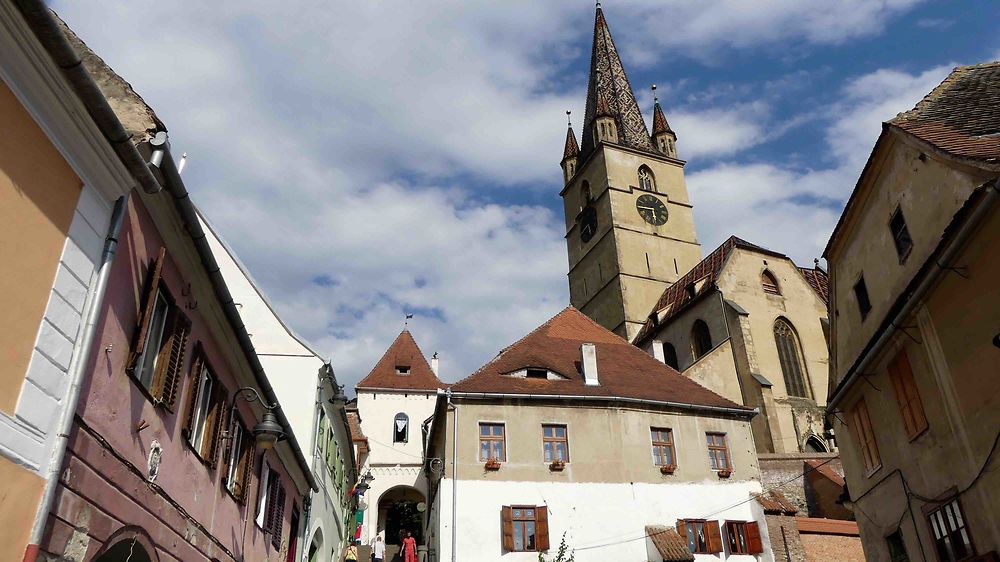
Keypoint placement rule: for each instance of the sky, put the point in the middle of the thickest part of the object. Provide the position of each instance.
(368, 160)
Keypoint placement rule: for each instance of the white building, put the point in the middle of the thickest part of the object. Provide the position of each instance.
(394, 402)
(573, 432)
(307, 391)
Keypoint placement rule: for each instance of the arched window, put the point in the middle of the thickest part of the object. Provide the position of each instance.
(813, 444)
(400, 428)
(701, 339)
(586, 196)
(790, 358)
(670, 355)
(770, 283)
(646, 179)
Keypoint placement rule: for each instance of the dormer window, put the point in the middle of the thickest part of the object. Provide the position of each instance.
(532, 373)
(769, 283)
(402, 369)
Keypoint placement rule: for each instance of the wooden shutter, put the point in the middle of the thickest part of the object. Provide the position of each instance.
(196, 365)
(713, 536)
(911, 408)
(754, 544)
(542, 527)
(278, 520)
(682, 529)
(507, 524)
(245, 470)
(214, 424)
(146, 312)
(167, 378)
(228, 442)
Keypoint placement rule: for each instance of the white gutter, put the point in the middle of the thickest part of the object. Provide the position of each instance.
(942, 263)
(679, 405)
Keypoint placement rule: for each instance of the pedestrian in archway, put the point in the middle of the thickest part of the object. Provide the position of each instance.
(409, 548)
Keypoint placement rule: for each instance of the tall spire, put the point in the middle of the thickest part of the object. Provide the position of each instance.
(609, 86)
(660, 124)
(572, 149)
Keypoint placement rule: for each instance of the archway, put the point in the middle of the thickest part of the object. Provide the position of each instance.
(815, 445)
(316, 546)
(131, 544)
(400, 509)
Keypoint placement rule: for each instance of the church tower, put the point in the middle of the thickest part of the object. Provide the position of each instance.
(629, 224)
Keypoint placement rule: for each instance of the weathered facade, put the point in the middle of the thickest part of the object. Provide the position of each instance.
(915, 306)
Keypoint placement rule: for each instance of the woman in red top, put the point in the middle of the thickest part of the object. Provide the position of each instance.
(409, 548)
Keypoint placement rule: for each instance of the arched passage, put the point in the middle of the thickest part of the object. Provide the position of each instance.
(131, 544)
(399, 511)
(316, 546)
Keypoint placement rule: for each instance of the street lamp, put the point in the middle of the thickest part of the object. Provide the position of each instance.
(268, 431)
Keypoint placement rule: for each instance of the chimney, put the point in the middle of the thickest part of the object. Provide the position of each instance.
(588, 359)
(434, 364)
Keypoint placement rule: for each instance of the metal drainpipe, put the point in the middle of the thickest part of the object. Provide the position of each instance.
(454, 480)
(76, 375)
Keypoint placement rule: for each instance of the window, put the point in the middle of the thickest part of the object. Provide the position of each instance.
(400, 428)
(900, 234)
(790, 359)
(536, 373)
(646, 179)
(861, 293)
(262, 494)
(897, 550)
(703, 537)
(586, 196)
(555, 443)
(271, 505)
(491, 442)
(320, 431)
(769, 283)
(525, 528)
(911, 408)
(701, 339)
(239, 461)
(951, 537)
(153, 340)
(862, 427)
(402, 369)
(670, 355)
(206, 411)
(718, 451)
(663, 446)
(743, 537)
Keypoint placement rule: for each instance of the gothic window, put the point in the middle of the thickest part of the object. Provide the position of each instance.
(586, 196)
(701, 339)
(770, 283)
(400, 428)
(790, 359)
(813, 444)
(670, 355)
(646, 179)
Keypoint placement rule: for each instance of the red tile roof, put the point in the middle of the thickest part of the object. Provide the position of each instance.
(822, 468)
(775, 503)
(572, 149)
(671, 546)
(354, 424)
(403, 352)
(818, 280)
(820, 526)
(962, 115)
(624, 371)
(660, 124)
(676, 297)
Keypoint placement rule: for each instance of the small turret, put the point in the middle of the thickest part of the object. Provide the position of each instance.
(571, 153)
(605, 128)
(664, 139)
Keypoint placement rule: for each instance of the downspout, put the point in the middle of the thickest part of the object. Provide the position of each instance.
(76, 375)
(454, 479)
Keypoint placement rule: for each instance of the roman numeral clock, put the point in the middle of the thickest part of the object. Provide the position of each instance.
(651, 209)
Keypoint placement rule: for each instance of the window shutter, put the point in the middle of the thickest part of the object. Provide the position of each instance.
(227, 445)
(713, 536)
(682, 529)
(542, 527)
(246, 469)
(168, 375)
(146, 313)
(272, 499)
(215, 424)
(507, 523)
(195, 377)
(754, 544)
(279, 517)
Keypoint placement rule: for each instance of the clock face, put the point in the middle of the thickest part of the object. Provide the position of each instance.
(588, 224)
(651, 209)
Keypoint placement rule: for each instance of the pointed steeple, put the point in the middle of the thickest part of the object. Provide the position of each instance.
(570, 153)
(403, 367)
(664, 138)
(609, 92)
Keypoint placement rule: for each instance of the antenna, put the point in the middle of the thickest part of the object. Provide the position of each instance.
(180, 166)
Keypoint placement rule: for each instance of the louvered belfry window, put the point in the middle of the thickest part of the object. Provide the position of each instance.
(790, 358)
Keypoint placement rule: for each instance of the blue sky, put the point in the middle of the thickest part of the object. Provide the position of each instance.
(370, 159)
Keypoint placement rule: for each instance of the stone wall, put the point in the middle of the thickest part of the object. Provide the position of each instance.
(785, 473)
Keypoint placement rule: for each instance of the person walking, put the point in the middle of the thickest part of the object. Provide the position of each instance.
(409, 548)
(352, 553)
(378, 550)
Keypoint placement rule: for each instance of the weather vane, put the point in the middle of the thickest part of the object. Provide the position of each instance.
(406, 321)
(568, 120)
(655, 99)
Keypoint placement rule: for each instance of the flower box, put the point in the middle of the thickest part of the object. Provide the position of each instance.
(667, 469)
(725, 473)
(492, 464)
(557, 465)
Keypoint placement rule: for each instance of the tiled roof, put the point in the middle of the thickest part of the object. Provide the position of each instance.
(671, 546)
(818, 280)
(676, 296)
(962, 115)
(821, 526)
(624, 371)
(660, 124)
(403, 352)
(609, 86)
(354, 424)
(572, 149)
(775, 503)
(822, 468)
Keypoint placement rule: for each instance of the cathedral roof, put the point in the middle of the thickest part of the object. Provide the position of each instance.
(609, 86)
(624, 371)
(403, 367)
(818, 280)
(660, 124)
(572, 149)
(962, 115)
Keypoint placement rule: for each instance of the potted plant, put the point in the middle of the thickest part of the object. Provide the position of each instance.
(667, 469)
(557, 465)
(725, 473)
(492, 463)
